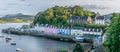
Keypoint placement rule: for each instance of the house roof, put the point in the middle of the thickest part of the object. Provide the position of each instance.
(100, 17)
(79, 17)
(92, 29)
(77, 28)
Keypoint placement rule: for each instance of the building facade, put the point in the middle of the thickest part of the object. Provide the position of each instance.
(80, 20)
(77, 31)
(63, 31)
(50, 29)
(67, 31)
(92, 32)
(99, 19)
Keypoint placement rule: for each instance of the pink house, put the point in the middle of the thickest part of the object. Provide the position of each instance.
(54, 30)
(51, 29)
(47, 29)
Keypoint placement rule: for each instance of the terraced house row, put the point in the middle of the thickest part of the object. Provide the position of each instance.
(75, 31)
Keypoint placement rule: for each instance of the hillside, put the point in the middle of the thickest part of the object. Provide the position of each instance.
(59, 15)
(16, 18)
(19, 15)
(13, 20)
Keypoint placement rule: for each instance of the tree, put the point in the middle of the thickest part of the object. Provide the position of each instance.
(78, 48)
(112, 42)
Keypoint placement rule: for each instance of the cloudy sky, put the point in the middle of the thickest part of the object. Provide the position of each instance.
(33, 6)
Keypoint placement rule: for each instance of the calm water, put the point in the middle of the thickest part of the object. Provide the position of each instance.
(30, 43)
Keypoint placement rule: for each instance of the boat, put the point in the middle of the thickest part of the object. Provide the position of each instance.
(1, 36)
(13, 43)
(8, 38)
(19, 50)
(78, 39)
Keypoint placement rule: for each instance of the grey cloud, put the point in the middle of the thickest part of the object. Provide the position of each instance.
(29, 4)
(92, 7)
(12, 4)
(22, 0)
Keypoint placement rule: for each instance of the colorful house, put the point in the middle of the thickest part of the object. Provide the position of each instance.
(98, 32)
(67, 31)
(63, 31)
(51, 29)
(60, 30)
(47, 29)
(41, 28)
(54, 30)
(91, 32)
(77, 31)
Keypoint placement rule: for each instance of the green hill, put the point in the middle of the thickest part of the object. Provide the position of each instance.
(59, 15)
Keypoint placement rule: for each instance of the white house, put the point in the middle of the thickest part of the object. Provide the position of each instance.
(100, 20)
(91, 32)
(77, 31)
(39, 28)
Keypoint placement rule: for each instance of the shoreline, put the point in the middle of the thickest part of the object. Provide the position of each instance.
(61, 37)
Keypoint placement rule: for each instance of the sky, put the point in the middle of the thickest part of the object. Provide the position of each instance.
(32, 7)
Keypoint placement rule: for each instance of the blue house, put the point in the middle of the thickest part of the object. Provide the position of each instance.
(63, 31)
(59, 30)
(67, 31)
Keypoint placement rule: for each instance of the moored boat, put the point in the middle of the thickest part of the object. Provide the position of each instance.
(19, 50)
(78, 39)
(1, 36)
(13, 43)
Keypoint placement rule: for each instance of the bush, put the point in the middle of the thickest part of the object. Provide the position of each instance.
(78, 48)
(62, 51)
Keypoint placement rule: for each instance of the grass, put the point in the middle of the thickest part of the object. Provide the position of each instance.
(14, 20)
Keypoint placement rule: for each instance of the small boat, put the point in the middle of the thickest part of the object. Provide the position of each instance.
(8, 38)
(61, 39)
(13, 43)
(19, 50)
(1, 36)
(78, 39)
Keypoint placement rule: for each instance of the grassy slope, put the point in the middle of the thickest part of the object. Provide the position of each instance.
(14, 20)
